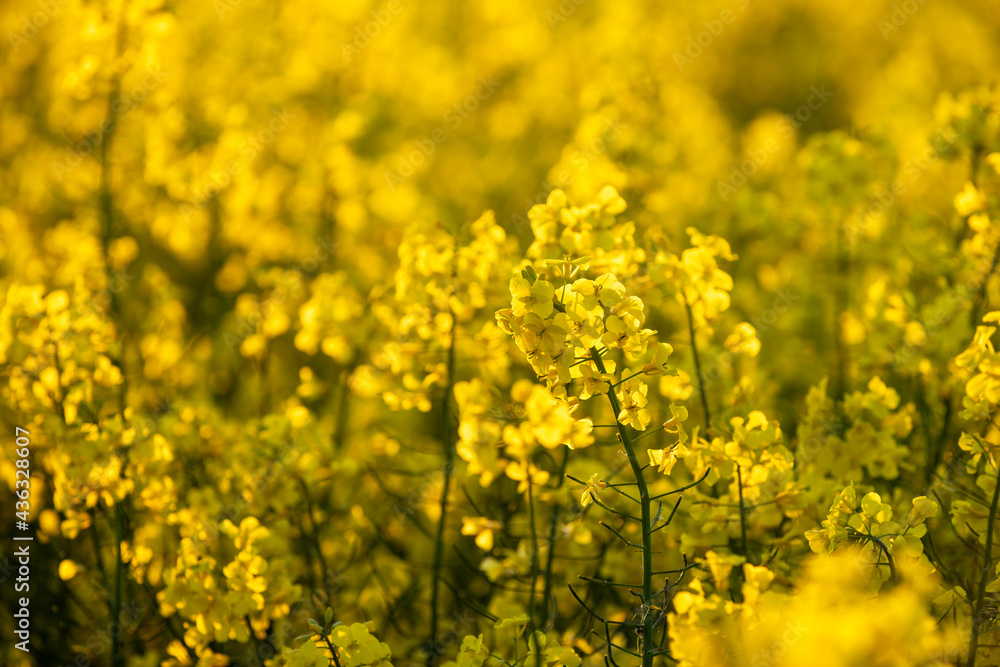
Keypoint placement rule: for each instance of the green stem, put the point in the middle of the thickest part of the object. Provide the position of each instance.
(534, 551)
(686, 486)
(105, 200)
(550, 561)
(841, 300)
(606, 582)
(333, 651)
(933, 456)
(342, 400)
(96, 541)
(975, 160)
(697, 366)
(743, 514)
(116, 658)
(981, 291)
(250, 633)
(987, 561)
(649, 432)
(624, 380)
(449, 457)
(107, 209)
(647, 537)
(105, 195)
(324, 571)
(539, 660)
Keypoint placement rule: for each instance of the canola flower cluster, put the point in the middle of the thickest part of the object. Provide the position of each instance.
(564, 335)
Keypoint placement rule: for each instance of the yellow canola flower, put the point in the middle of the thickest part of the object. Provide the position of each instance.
(482, 528)
(254, 346)
(743, 340)
(923, 509)
(606, 291)
(528, 297)
(593, 488)
(526, 474)
(67, 570)
(993, 159)
(594, 382)
(632, 397)
(665, 459)
(550, 417)
(969, 200)
(658, 364)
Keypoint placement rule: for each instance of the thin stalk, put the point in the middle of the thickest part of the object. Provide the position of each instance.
(743, 514)
(624, 380)
(841, 299)
(650, 432)
(605, 582)
(599, 503)
(95, 540)
(342, 413)
(106, 207)
(681, 569)
(262, 403)
(449, 457)
(105, 198)
(623, 494)
(882, 549)
(250, 632)
(933, 456)
(669, 518)
(333, 651)
(981, 292)
(975, 160)
(553, 526)
(538, 649)
(535, 567)
(324, 571)
(697, 365)
(943, 433)
(987, 560)
(621, 537)
(685, 487)
(116, 606)
(646, 653)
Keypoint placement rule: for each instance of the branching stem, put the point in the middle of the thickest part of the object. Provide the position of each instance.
(987, 561)
(697, 365)
(646, 652)
(449, 457)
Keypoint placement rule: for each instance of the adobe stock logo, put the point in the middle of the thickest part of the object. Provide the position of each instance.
(30, 25)
(425, 147)
(901, 13)
(786, 126)
(363, 35)
(697, 44)
(120, 109)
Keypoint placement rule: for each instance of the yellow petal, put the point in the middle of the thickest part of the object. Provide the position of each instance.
(67, 570)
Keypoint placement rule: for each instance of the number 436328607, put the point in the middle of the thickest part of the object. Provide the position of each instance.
(22, 474)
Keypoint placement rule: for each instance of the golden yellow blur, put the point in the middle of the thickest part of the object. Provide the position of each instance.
(499, 333)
